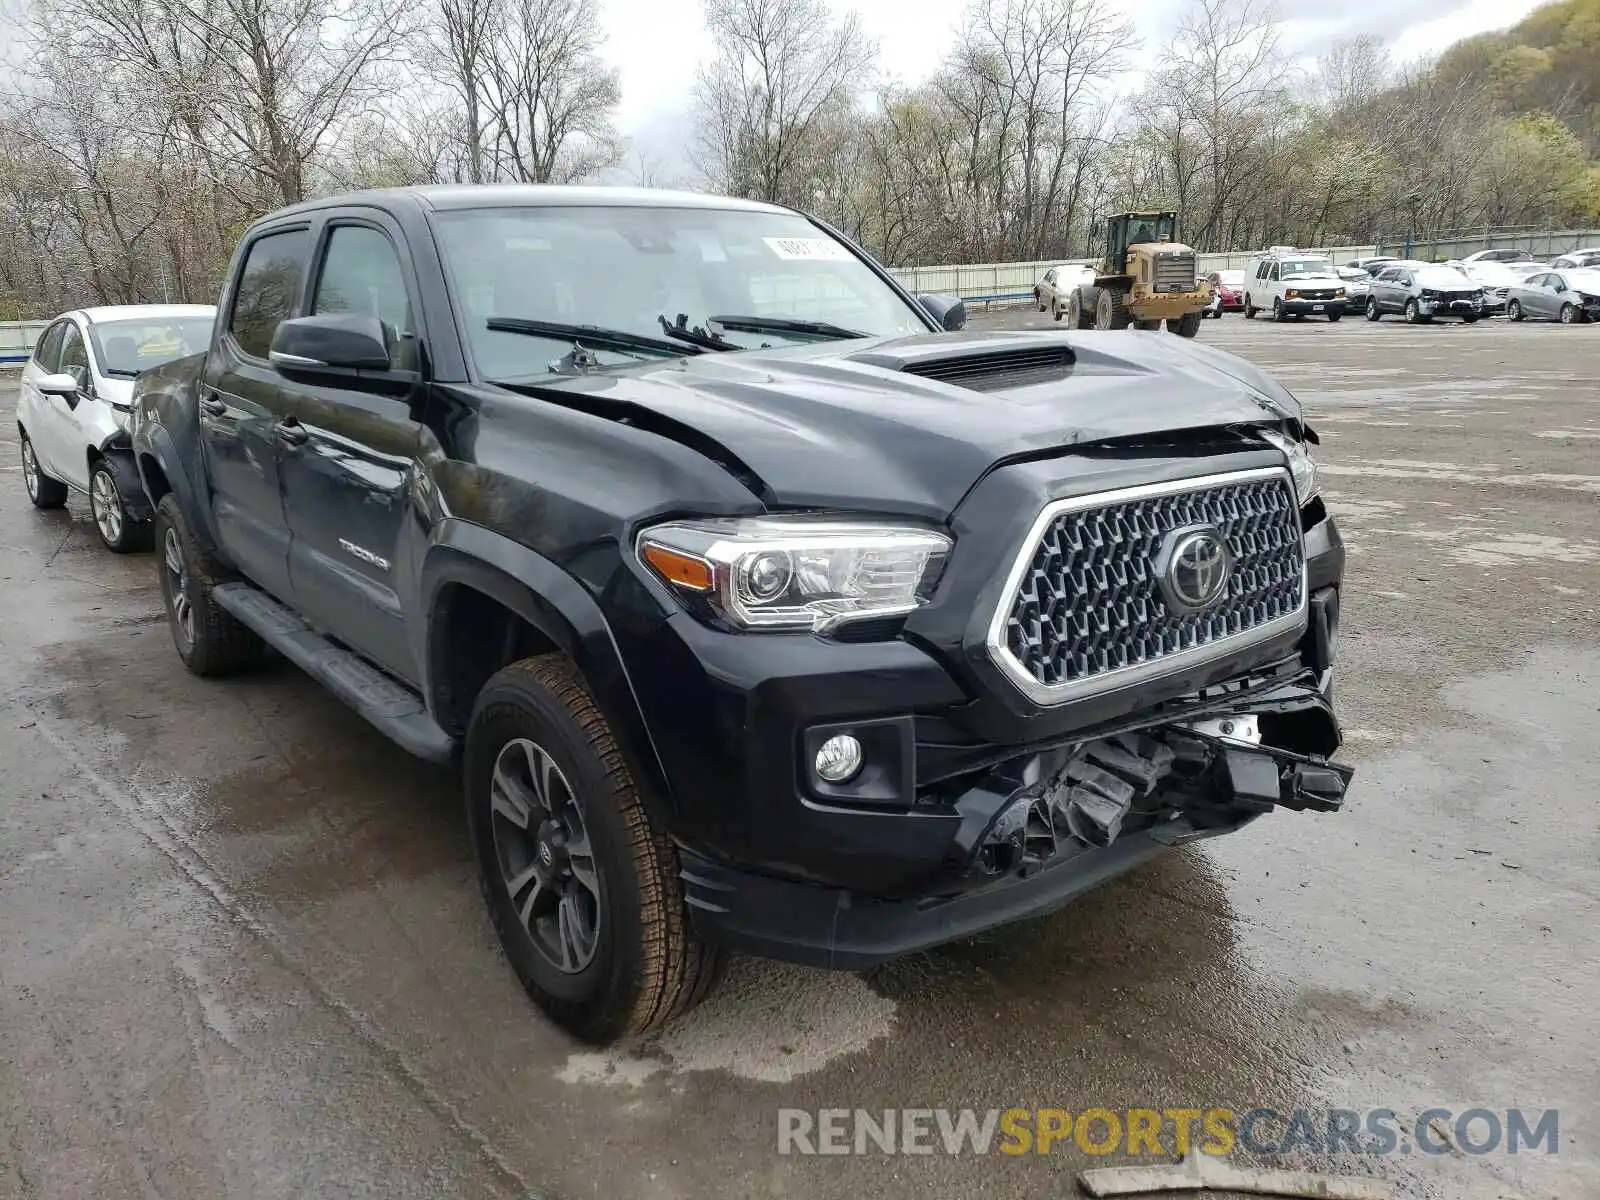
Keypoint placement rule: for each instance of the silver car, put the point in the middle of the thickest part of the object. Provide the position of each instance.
(1052, 290)
(1565, 296)
(1357, 284)
(1419, 292)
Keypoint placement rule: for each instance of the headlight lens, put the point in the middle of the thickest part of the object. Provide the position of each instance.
(774, 574)
(1301, 466)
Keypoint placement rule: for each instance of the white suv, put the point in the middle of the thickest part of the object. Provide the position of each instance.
(73, 409)
(1293, 285)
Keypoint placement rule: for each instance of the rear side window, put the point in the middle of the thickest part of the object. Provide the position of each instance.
(47, 354)
(268, 284)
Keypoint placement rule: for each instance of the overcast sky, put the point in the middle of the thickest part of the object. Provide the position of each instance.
(656, 44)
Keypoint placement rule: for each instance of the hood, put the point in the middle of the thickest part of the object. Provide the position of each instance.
(1312, 275)
(113, 389)
(909, 425)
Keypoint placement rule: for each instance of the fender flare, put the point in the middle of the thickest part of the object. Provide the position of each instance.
(559, 607)
(155, 441)
(117, 454)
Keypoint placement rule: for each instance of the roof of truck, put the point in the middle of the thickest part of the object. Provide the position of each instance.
(525, 195)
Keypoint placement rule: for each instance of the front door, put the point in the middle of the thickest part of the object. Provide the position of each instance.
(243, 404)
(347, 474)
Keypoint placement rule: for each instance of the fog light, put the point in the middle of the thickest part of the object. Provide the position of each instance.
(839, 759)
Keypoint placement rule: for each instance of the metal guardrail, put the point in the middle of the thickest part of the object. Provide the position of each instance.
(17, 338)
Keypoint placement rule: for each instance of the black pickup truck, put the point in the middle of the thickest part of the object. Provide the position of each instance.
(764, 607)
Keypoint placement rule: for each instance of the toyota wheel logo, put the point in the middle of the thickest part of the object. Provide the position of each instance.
(1196, 571)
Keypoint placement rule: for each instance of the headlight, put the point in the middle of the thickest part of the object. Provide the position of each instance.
(775, 574)
(1291, 293)
(1300, 464)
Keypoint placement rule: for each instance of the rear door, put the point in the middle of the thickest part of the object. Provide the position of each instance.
(243, 404)
(347, 472)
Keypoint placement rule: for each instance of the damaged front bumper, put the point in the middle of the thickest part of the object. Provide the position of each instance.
(1042, 828)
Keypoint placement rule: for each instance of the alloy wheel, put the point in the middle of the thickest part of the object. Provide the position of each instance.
(1568, 314)
(106, 506)
(30, 470)
(175, 576)
(545, 858)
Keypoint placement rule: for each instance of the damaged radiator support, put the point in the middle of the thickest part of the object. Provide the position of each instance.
(1082, 796)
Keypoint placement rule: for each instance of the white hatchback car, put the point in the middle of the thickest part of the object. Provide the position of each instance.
(75, 399)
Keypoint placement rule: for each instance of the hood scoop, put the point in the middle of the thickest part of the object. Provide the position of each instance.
(998, 370)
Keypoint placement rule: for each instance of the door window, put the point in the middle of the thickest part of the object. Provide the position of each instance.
(47, 354)
(75, 356)
(361, 274)
(267, 287)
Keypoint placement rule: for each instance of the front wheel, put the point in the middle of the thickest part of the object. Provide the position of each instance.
(1038, 299)
(1413, 313)
(1372, 310)
(1249, 310)
(1514, 310)
(582, 887)
(1335, 317)
(1569, 314)
(118, 530)
(1469, 320)
(1277, 310)
(43, 492)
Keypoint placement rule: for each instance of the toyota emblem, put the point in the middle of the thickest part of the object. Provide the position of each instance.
(1196, 570)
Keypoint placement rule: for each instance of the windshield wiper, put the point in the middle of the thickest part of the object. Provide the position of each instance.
(785, 325)
(696, 336)
(590, 335)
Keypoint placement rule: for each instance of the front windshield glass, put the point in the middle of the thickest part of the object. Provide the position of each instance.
(1305, 266)
(1231, 278)
(1443, 277)
(128, 346)
(624, 268)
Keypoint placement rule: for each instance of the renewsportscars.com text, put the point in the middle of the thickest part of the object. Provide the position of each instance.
(1165, 1132)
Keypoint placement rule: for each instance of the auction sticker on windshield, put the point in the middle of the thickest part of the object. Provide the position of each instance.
(797, 249)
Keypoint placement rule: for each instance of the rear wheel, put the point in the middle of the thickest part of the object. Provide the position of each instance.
(118, 530)
(1187, 325)
(1514, 310)
(43, 491)
(209, 640)
(1111, 310)
(1038, 298)
(582, 887)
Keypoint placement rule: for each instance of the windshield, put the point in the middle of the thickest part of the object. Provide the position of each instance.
(1442, 277)
(1586, 280)
(129, 346)
(1231, 278)
(1305, 266)
(1352, 273)
(1493, 272)
(624, 268)
(1503, 256)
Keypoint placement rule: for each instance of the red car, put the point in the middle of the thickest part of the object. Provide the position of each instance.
(1227, 292)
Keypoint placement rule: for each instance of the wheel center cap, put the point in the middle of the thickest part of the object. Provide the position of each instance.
(547, 856)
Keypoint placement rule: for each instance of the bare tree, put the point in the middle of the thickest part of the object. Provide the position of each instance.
(782, 69)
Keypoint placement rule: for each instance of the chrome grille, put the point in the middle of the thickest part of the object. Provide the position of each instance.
(1084, 611)
(1175, 272)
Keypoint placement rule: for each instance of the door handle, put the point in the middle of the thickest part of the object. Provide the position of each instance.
(214, 404)
(291, 432)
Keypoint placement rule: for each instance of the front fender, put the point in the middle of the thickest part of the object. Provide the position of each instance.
(155, 446)
(554, 603)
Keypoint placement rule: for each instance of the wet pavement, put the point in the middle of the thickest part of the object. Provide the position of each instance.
(243, 954)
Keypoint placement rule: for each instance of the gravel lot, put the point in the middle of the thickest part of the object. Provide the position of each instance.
(243, 954)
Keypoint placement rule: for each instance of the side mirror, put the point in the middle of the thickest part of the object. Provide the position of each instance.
(341, 341)
(61, 383)
(948, 311)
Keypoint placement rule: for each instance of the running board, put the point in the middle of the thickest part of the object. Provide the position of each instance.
(393, 708)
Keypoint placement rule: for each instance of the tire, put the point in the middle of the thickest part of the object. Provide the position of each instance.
(629, 959)
(1372, 310)
(208, 639)
(1249, 310)
(1569, 314)
(120, 532)
(43, 491)
(1111, 310)
(1514, 310)
(1413, 314)
(1038, 299)
(1076, 317)
(1277, 310)
(1055, 309)
(1473, 320)
(1187, 325)
(1335, 317)
(1148, 326)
